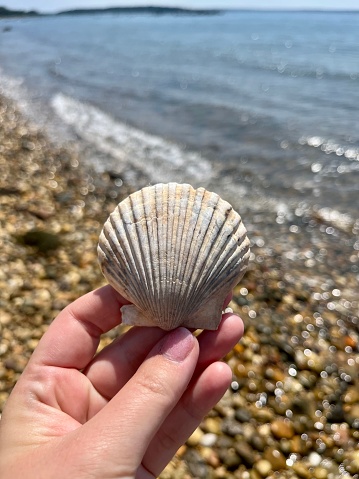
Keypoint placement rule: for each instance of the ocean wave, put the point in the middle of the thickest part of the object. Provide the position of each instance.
(157, 158)
(290, 69)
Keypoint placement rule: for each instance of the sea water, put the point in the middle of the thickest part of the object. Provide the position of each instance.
(262, 107)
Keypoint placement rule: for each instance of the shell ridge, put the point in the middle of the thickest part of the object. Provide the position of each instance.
(128, 214)
(171, 188)
(231, 277)
(148, 207)
(229, 256)
(111, 257)
(206, 210)
(219, 248)
(186, 200)
(172, 254)
(161, 270)
(233, 262)
(107, 238)
(139, 225)
(110, 233)
(210, 249)
(151, 204)
(189, 252)
(238, 250)
(182, 196)
(124, 245)
(109, 261)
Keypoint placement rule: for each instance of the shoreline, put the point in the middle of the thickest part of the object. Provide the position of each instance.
(293, 406)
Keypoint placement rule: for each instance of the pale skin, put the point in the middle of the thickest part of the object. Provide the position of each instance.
(122, 413)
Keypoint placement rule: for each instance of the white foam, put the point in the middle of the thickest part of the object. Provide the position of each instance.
(33, 107)
(13, 88)
(157, 158)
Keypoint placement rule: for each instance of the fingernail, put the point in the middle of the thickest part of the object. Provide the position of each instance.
(177, 345)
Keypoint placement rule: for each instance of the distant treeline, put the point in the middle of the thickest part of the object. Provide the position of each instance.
(5, 12)
(151, 10)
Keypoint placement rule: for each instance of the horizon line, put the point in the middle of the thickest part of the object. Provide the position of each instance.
(189, 9)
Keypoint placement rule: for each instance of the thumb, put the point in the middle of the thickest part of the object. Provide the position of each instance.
(126, 425)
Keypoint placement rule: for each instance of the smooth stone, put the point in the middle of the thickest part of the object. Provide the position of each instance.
(195, 437)
(5, 318)
(210, 456)
(230, 459)
(231, 427)
(196, 464)
(224, 442)
(351, 396)
(263, 467)
(254, 474)
(17, 363)
(314, 459)
(3, 348)
(263, 414)
(282, 428)
(242, 415)
(212, 425)
(285, 446)
(301, 470)
(209, 439)
(299, 446)
(276, 458)
(353, 466)
(245, 452)
(320, 473)
(257, 442)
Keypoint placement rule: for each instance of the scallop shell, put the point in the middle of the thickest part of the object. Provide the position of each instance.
(175, 252)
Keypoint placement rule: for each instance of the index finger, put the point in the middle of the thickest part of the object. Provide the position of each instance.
(72, 339)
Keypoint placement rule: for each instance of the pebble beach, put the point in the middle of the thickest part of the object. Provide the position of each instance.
(293, 408)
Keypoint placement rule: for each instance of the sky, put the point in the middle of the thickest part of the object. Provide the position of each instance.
(56, 5)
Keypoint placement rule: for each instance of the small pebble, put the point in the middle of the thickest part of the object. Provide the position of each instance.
(195, 437)
(301, 470)
(314, 459)
(263, 467)
(320, 473)
(208, 439)
(282, 428)
(275, 458)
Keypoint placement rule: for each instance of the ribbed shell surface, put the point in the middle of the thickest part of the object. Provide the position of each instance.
(175, 252)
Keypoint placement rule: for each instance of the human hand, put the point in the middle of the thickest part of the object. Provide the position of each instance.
(122, 413)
